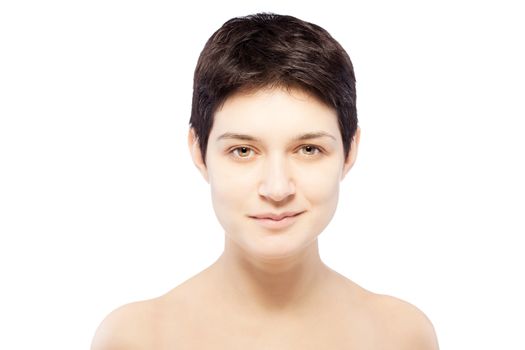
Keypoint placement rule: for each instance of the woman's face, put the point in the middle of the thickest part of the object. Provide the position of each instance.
(274, 153)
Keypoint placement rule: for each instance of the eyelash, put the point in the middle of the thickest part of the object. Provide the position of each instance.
(319, 150)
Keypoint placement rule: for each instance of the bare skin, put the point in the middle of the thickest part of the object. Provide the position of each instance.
(270, 289)
(197, 315)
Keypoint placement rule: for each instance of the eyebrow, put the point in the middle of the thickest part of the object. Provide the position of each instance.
(302, 137)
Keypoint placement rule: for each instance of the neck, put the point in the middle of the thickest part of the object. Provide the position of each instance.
(271, 285)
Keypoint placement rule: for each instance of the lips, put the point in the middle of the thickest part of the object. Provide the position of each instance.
(276, 222)
(276, 217)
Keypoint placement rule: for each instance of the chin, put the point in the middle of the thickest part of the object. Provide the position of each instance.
(276, 247)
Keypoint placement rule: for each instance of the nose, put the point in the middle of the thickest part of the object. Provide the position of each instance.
(276, 182)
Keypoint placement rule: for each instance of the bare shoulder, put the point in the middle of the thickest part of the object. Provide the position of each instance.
(404, 324)
(127, 327)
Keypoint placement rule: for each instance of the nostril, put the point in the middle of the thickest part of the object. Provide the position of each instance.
(277, 191)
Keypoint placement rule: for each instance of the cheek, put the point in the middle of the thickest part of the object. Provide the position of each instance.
(321, 189)
(321, 185)
(230, 182)
(228, 191)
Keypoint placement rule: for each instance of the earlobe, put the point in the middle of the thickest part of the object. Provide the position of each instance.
(196, 154)
(352, 155)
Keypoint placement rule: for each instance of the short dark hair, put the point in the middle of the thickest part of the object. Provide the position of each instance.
(269, 50)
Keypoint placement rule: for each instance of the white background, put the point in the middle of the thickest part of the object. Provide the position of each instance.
(100, 204)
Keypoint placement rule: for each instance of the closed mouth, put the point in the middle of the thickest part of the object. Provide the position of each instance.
(276, 217)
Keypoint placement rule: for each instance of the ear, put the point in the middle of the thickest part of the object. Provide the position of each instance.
(196, 154)
(352, 155)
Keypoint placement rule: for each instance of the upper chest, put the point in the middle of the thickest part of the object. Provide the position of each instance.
(327, 331)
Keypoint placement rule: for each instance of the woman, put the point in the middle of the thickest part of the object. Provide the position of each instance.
(273, 131)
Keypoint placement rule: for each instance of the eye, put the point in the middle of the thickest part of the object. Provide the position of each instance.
(242, 152)
(310, 150)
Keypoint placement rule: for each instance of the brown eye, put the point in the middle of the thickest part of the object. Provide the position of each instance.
(242, 152)
(310, 150)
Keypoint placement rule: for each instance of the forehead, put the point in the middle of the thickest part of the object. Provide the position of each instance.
(274, 112)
